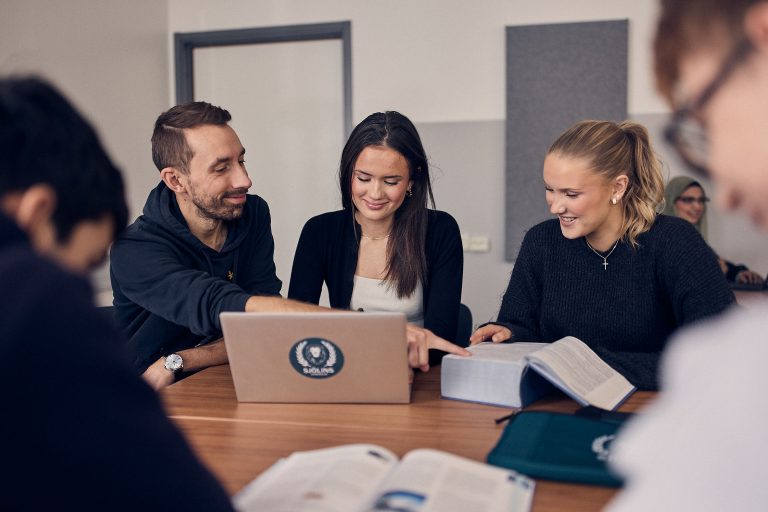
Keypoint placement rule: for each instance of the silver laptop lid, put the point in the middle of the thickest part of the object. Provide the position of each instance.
(318, 357)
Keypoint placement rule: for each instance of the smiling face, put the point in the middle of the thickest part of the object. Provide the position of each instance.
(217, 181)
(736, 120)
(581, 199)
(691, 204)
(380, 180)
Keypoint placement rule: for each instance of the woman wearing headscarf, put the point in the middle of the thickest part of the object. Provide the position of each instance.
(685, 198)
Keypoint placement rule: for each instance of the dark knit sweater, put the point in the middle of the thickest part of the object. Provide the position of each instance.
(327, 253)
(170, 288)
(626, 312)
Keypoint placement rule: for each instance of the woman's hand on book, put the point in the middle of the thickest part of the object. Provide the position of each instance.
(420, 340)
(490, 332)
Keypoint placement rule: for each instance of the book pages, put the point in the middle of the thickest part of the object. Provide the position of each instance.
(573, 367)
(340, 478)
(365, 478)
(434, 481)
(492, 375)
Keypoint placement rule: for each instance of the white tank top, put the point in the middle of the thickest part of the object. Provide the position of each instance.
(373, 295)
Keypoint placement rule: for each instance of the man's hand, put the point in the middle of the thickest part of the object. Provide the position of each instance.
(157, 376)
(749, 277)
(420, 340)
(490, 332)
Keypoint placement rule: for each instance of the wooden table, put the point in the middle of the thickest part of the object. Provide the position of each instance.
(751, 298)
(239, 441)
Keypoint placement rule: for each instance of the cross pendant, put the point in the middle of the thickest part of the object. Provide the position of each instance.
(605, 264)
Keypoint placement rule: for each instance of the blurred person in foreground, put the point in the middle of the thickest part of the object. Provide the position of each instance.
(82, 430)
(701, 445)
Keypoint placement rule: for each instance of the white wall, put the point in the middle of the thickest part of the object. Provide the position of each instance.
(110, 57)
(440, 62)
(437, 60)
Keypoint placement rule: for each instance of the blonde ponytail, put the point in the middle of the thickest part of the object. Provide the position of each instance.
(645, 193)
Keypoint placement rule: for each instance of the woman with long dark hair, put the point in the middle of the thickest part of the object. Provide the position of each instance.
(386, 250)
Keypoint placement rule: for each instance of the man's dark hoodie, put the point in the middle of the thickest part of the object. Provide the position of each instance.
(169, 287)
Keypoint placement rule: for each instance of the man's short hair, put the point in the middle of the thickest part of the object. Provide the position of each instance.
(169, 145)
(43, 139)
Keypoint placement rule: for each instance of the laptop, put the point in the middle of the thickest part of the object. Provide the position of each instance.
(318, 357)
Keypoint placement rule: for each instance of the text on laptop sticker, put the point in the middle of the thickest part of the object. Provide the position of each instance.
(316, 358)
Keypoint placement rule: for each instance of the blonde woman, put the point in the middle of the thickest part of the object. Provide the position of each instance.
(608, 270)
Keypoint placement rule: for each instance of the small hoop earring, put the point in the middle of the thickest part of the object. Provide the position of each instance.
(409, 192)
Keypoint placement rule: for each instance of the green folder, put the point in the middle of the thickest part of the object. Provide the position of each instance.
(557, 446)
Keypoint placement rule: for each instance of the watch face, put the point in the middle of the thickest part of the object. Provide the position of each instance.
(173, 362)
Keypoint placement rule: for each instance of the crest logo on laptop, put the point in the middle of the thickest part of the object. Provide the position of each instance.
(316, 358)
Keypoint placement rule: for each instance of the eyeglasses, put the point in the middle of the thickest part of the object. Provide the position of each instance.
(686, 130)
(690, 200)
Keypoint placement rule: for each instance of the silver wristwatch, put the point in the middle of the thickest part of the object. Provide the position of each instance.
(174, 363)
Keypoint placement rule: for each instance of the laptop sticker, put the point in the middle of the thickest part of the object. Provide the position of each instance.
(316, 358)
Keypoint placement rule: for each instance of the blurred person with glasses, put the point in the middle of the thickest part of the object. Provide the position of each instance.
(684, 197)
(701, 444)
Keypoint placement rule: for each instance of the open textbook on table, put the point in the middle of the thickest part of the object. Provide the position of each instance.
(360, 477)
(516, 374)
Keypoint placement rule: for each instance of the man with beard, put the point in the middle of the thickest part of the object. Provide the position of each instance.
(202, 246)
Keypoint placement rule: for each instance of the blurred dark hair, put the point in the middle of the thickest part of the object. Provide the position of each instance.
(406, 256)
(43, 139)
(685, 26)
(169, 145)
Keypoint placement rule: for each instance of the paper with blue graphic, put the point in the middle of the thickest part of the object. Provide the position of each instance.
(370, 478)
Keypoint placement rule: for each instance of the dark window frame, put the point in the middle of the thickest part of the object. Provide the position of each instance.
(186, 42)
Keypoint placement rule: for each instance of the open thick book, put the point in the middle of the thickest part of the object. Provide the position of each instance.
(499, 374)
(360, 477)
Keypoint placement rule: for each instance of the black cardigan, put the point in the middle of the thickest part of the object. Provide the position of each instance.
(327, 252)
(626, 312)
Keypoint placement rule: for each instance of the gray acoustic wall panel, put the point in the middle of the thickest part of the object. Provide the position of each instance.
(556, 75)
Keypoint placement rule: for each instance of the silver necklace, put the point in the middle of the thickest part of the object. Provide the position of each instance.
(605, 258)
(375, 237)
